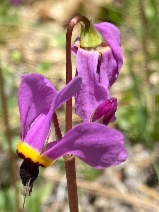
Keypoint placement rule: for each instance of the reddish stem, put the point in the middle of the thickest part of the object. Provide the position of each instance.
(57, 127)
(71, 25)
(70, 164)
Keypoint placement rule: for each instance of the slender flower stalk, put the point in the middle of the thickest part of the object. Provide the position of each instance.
(71, 25)
(70, 164)
(57, 128)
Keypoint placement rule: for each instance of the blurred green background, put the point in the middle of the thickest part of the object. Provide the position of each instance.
(32, 39)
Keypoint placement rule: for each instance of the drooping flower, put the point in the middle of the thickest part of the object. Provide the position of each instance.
(38, 100)
(99, 67)
(95, 144)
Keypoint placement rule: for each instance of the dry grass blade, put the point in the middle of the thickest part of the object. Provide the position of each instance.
(139, 201)
(149, 192)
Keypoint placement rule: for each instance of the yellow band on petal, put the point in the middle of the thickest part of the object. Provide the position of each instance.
(23, 149)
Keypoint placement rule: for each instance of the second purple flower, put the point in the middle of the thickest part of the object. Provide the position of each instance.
(99, 67)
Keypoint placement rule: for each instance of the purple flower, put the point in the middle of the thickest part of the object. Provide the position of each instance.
(94, 143)
(38, 100)
(99, 67)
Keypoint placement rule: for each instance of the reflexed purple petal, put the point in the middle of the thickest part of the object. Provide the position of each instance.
(39, 127)
(68, 91)
(106, 109)
(95, 144)
(110, 29)
(111, 34)
(35, 96)
(39, 131)
(108, 67)
(91, 93)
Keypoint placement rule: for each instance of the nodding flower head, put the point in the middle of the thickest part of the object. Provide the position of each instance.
(99, 67)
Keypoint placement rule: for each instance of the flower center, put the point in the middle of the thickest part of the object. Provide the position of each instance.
(27, 152)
